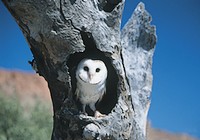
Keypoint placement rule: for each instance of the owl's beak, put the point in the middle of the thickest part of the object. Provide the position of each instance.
(90, 76)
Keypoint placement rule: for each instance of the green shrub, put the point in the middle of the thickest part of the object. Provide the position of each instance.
(15, 125)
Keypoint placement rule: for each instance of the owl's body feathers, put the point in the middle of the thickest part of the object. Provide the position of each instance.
(91, 82)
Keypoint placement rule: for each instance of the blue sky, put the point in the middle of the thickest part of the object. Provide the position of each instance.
(176, 67)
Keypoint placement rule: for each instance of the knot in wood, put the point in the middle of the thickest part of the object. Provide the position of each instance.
(91, 131)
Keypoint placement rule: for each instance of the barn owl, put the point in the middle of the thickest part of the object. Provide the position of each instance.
(91, 83)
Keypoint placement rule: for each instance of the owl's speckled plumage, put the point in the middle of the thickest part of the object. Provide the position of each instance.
(91, 82)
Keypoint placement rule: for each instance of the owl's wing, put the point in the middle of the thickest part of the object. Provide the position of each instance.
(102, 94)
(77, 92)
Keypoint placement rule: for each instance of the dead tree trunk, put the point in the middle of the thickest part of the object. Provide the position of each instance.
(61, 33)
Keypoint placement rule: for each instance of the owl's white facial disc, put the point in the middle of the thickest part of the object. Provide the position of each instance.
(91, 71)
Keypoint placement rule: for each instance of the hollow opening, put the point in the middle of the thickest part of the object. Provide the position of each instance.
(109, 99)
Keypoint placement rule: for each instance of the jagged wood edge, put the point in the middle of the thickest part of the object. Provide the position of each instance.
(138, 40)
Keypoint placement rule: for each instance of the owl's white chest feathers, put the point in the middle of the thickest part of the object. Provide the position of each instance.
(88, 93)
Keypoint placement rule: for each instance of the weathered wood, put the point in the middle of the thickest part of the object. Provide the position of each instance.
(61, 33)
(138, 42)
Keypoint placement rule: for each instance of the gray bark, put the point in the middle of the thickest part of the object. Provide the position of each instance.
(61, 33)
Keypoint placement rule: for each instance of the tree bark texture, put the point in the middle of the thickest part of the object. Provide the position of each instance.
(63, 32)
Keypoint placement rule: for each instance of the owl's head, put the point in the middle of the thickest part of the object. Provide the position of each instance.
(91, 71)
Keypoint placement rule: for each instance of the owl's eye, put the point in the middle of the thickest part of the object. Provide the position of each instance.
(86, 68)
(98, 70)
